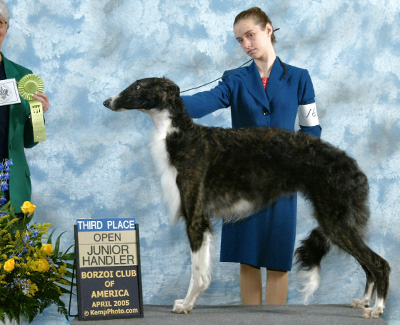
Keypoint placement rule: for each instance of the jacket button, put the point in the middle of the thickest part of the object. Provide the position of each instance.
(265, 113)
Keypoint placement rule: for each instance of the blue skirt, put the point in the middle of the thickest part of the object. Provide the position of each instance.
(266, 239)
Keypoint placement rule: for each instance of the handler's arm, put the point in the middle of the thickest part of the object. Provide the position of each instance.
(206, 102)
(307, 112)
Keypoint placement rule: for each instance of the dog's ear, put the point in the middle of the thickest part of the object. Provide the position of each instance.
(174, 90)
(171, 88)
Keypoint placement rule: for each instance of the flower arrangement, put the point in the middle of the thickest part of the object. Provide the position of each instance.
(4, 177)
(32, 272)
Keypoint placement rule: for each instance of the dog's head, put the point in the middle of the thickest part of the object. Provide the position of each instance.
(145, 94)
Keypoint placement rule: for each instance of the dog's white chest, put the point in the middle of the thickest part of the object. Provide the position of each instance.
(167, 172)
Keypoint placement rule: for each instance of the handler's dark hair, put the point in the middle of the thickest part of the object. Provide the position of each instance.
(259, 17)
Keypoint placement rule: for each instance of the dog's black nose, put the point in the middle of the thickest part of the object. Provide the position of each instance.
(106, 103)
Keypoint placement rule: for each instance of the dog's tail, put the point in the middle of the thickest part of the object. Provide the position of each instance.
(309, 255)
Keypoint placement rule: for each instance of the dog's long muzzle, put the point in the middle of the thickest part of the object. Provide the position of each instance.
(107, 103)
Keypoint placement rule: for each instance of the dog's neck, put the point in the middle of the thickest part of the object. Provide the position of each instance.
(179, 116)
(171, 120)
(162, 121)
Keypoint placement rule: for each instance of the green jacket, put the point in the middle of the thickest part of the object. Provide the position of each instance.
(20, 136)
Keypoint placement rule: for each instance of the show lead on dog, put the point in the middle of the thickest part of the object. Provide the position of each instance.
(16, 132)
(267, 93)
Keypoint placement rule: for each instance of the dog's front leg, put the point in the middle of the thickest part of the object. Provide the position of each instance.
(201, 276)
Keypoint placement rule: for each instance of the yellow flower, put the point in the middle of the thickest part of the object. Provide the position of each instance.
(9, 265)
(28, 207)
(31, 265)
(42, 265)
(62, 270)
(48, 248)
(33, 288)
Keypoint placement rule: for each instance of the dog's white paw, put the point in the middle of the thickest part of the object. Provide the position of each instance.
(360, 303)
(181, 308)
(373, 312)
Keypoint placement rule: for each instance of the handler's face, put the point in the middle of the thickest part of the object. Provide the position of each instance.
(253, 40)
(3, 29)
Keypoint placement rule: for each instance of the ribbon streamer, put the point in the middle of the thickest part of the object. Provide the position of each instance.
(28, 86)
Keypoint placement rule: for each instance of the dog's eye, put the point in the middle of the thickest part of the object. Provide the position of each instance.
(137, 87)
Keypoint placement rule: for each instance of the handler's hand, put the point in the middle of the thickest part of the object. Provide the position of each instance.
(43, 99)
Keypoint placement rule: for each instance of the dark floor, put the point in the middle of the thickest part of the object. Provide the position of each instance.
(230, 315)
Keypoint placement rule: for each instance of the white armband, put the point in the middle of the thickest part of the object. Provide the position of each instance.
(308, 115)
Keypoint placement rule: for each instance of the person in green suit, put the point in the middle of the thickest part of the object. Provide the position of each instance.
(16, 132)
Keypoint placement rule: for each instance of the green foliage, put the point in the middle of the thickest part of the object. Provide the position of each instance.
(33, 272)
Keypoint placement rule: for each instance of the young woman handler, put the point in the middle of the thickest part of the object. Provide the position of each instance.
(267, 93)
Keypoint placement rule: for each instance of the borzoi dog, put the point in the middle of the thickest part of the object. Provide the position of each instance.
(232, 173)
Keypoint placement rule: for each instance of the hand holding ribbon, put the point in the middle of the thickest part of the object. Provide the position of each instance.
(44, 99)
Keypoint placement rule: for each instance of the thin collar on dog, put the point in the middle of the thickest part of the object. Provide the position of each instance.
(283, 65)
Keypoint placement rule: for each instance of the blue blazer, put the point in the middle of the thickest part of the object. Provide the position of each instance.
(251, 105)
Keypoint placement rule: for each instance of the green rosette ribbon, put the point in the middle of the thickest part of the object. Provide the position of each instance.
(28, 86)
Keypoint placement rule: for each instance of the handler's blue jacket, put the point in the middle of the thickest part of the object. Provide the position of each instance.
(250, 105)
(267, 238)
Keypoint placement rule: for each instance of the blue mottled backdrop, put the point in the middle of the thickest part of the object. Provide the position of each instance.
(97, 163)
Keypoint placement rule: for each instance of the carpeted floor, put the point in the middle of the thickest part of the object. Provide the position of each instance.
(231, 315)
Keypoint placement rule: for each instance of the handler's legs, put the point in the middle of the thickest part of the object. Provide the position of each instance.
(250, 285)
(277, 287)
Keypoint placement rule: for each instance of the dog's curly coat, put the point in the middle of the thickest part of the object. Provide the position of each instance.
(214, 172)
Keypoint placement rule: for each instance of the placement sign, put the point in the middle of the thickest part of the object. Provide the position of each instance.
(108, 272)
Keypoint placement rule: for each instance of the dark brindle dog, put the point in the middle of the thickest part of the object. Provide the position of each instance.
(225, 173)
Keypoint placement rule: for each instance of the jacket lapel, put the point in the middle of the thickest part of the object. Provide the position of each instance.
(11, 72)
(254, 85)
(276, 81)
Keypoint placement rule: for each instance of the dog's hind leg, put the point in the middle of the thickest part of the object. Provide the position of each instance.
(309, 255)
(201, 273)
(376, 268)
(377, 271)
(369, 291)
